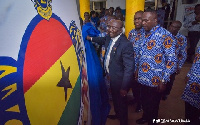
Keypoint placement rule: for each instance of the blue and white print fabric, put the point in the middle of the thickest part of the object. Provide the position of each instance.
(157, 58)
(103, 25)
(191, 93)
(182, 49)
(134, 36)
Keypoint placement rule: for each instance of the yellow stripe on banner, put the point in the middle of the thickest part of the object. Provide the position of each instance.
(7, 70)
(14, 122)
(14, 109)
(45, 102)
(132, 6)
(12, 88)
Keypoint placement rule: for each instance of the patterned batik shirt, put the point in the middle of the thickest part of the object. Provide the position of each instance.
(181, 47)
(157, 59)
(134, 36)
(103, 25)
(102, 53)
(191, 93)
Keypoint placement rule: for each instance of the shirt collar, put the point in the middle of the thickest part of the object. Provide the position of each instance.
(116, 38)
(152, 30)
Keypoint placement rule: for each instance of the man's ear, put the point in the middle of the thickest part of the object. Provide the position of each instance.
(121, 30)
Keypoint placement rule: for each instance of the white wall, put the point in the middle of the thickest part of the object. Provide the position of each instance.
(116, 3)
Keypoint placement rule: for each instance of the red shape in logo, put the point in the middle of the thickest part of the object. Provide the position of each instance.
(48, 42)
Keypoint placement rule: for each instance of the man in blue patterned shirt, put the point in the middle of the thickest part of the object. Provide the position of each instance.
(157, 61)
(135, 35)
(103, 21)
(181, 52)
(191, 94)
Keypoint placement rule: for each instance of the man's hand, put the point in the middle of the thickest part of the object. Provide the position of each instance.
(88, 38)
(161, 87)
(123, 92)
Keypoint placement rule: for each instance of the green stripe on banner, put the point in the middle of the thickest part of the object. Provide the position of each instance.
(70, 115)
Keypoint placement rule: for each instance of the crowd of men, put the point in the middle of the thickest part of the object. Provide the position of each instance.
(146, 61)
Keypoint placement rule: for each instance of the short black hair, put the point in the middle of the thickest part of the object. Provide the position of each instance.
(91, 13)
(139, 11)
(197, 5)
(152, 11)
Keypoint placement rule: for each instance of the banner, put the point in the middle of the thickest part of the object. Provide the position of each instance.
(43, 71)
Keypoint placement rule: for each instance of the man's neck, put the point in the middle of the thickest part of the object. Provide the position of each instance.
(138, 29)
(115, 38)
(175, 34)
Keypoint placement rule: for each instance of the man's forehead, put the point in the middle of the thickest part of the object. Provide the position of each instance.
(175, 25)
(146, 14)
(138, 15)
(116, 23)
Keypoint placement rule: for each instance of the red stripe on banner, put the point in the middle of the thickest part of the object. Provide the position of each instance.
(48, 42)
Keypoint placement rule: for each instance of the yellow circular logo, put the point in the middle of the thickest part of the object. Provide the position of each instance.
(168, 42)
(145, 67)
(155, 80)
(195, 87)
(180, 41)
(136, 38)
(169, 64)
(151, 44)
(163, 36)
(158, 58)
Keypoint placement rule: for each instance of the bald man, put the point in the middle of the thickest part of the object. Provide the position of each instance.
(119, 64)
(157, 61)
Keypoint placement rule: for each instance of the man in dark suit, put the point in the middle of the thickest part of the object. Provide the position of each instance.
(119, 64)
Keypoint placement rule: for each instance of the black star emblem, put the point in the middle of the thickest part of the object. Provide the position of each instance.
(64, 81)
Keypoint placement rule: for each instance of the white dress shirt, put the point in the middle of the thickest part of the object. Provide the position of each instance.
(111, 46)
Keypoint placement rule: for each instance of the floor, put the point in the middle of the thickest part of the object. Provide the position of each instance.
(170, 109)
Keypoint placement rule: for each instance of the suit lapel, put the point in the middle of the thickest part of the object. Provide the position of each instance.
(114, 49)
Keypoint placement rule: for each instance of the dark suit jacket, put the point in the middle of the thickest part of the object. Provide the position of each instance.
(121, 65)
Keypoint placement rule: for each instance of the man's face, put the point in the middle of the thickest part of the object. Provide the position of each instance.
(114, 29)
(148, 21)
(94, 15)
(86, 16)
(111, 11)
(106, 12)
(174, 28)
(138, 20)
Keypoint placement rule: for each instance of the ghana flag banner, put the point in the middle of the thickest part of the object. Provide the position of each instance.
(43, 68)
